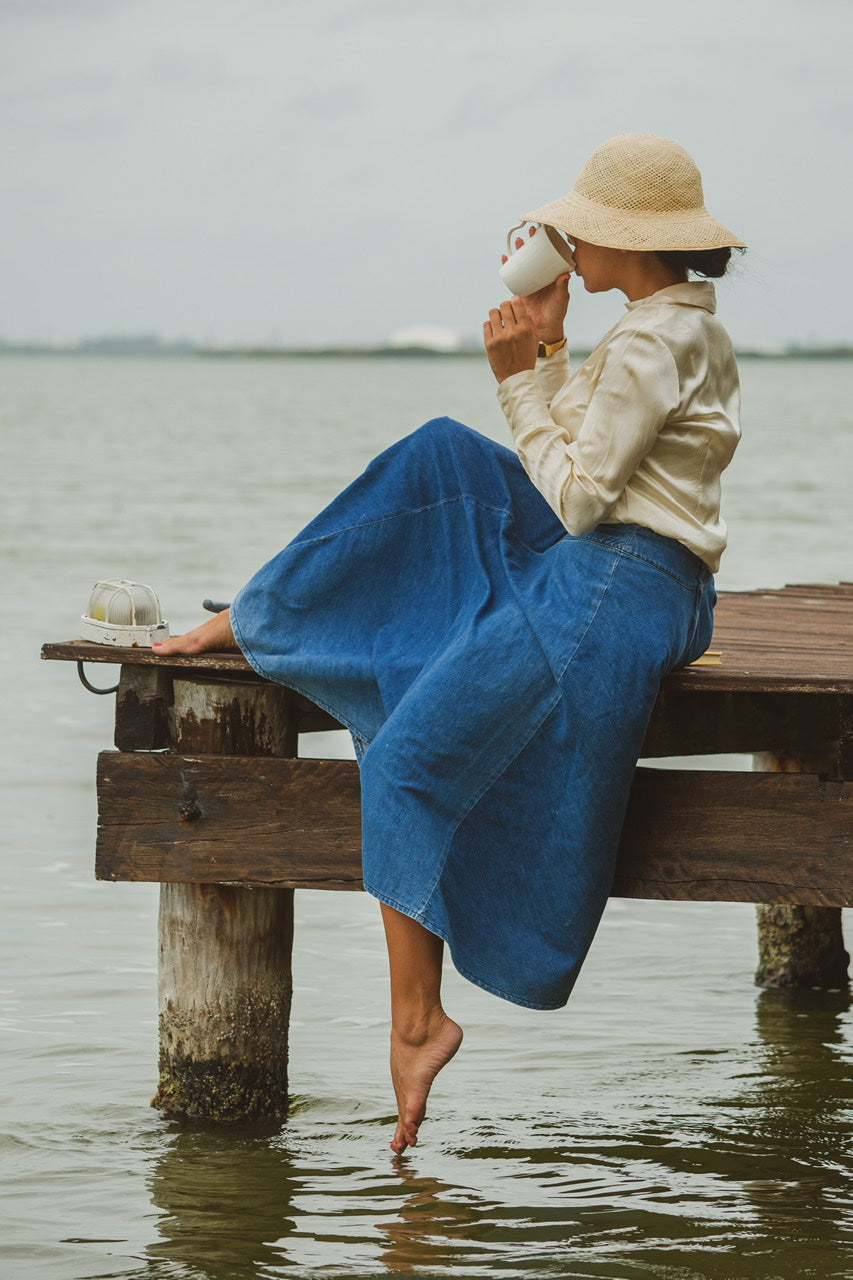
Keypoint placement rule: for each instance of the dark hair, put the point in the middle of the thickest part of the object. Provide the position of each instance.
(711, 263)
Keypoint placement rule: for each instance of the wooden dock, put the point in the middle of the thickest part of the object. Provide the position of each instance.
(207, 789)
(784, 685)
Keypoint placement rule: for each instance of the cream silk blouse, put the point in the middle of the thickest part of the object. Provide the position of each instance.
(642, 431)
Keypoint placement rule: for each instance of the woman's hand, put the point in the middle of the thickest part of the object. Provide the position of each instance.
(514, 330)
(547, 309)
(511, 341)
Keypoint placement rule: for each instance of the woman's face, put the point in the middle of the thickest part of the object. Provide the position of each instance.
(600, 268)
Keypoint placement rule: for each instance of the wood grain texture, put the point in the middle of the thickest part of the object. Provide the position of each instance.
(225, 993)
(799, 945)
(227, 819)
(689, 835)
(797, 638)
(225, 972)
(143, 709)
(737, 837)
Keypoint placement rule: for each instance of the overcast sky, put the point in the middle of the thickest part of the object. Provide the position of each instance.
(310, 171)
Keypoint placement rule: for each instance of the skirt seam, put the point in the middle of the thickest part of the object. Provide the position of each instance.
(604, 590)
(653, 564)
(411, 511)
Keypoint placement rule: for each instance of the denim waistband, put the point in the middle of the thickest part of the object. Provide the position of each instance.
(656, 548)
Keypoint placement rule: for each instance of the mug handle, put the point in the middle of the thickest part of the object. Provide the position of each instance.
(510, 247)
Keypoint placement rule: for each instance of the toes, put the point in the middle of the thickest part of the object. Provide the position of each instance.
(405, 1135)
(399, 1144)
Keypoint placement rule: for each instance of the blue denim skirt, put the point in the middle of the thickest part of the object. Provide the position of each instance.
(497, 675)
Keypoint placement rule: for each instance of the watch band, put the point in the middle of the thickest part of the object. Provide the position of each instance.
(549, 348)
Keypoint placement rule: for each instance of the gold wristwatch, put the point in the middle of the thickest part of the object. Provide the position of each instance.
(549, 348)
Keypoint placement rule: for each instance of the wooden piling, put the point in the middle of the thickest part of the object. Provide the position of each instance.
(225, 951)
(799, 945)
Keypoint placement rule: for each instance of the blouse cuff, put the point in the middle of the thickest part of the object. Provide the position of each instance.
(553, 372)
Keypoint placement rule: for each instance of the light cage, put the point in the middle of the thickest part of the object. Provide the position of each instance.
(123, 613)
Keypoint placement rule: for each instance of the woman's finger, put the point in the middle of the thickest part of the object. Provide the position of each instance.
(517, 311)
(493, 326)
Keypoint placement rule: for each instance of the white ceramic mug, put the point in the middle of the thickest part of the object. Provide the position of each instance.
(540, 260)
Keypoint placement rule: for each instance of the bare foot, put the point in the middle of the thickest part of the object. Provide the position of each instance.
(415, 1062)
(215, 635)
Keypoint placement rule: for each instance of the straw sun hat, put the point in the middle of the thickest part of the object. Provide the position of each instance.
(638, 192)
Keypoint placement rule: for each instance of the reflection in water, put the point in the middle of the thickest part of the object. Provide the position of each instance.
(775, 1158)
(430, 1222)
(797, 1124)
(226, 1200)
(753, 1184)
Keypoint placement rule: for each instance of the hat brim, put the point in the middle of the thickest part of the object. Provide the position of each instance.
(615, 228)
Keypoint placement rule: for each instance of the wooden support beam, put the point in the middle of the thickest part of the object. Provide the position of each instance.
(688, 835)
(801, 945)
(684, 723)
(232, 820)
(144, 716)
(225, 976)
(225, 995)
(737, 837)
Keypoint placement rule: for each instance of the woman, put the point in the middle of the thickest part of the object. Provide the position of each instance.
(496, 645)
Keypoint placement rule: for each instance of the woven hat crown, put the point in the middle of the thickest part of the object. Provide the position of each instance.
(638, 171)
(638, 191)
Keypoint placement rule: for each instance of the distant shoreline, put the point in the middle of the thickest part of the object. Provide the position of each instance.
(154, 349)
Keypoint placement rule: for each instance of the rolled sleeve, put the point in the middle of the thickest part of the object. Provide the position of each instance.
(581, 451)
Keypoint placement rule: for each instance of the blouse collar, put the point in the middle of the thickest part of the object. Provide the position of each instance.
(695, 293)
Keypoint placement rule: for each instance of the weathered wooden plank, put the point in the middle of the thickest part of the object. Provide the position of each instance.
(88, 651)
(795, 639)
(843, 747)
(746, 721)
(799, 631)
(231, 667)
(737, 837)
(228, 819)
(709, 836)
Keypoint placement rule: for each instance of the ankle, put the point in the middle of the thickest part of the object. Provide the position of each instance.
(416, 1027)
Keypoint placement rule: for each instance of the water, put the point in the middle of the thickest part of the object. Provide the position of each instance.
(672, 1122)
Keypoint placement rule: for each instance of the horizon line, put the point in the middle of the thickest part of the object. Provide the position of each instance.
(152, 345)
